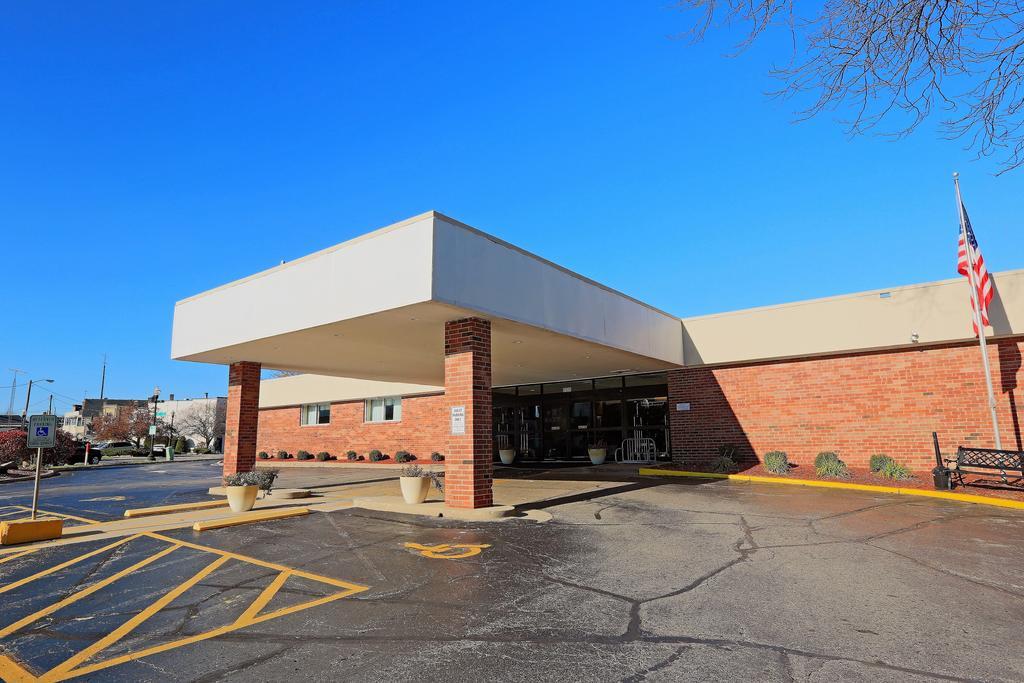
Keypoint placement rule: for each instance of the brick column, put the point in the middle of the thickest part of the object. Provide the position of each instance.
(242, 417)
(467, 385)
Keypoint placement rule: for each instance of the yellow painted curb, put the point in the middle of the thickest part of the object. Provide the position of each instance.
(27, 530)
(163, 509)
(961, 497)
(248, 518)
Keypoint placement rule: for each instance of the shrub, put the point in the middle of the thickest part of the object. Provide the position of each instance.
(879, 461)
(263, 455)
(437, 457)
(723, 464)
(13, 449)
(377, 456)
(894, 470)
(283, 455)
(776, 462)
(181, 445)
(304, 455)
(404, 456)
(352, 456)
(262, 478)
(322, 456)
(828, 464)
(203, 451)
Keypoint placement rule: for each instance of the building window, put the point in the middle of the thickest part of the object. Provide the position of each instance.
(315, 414)
(383, 409)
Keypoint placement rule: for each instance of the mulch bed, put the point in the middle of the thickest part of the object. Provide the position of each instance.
(977, 484)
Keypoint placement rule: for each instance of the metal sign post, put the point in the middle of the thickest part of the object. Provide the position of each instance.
(42, 433)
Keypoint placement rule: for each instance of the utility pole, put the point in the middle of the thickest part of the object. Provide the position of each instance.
(14, 388)
(103, 377)
(49, 411)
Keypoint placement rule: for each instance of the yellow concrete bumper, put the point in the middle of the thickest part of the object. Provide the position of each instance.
(28, 530)
(182, 507)
(249, 517)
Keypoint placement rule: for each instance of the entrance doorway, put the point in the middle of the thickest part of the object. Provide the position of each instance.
(558, 421)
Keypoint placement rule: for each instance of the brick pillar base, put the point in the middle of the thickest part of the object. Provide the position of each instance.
(242, 417)
(467, 386)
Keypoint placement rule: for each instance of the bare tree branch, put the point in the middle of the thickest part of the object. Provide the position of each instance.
(896, 62)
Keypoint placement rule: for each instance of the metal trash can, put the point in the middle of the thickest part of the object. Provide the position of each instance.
(169, 454)
(942, 479)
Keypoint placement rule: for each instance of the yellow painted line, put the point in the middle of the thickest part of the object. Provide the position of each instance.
(248, 518)
(12, 672)
(63, 565)
(164, 509)
(16, 555)
(85, 592)
(266, 596)
(66, 669)
(260, 563)
(60, 514)
(944, 495)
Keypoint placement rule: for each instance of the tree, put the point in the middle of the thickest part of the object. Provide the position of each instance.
(124, 424)
(898, 62)
(205, 420)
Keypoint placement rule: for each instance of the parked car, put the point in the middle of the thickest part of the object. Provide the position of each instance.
(94, 453)
(111, 448)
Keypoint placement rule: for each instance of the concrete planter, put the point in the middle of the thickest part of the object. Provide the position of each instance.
(507, 455)
(597, 455)
(241, 498)
(414, 489)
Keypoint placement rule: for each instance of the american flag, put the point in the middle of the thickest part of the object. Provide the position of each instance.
(983, 295)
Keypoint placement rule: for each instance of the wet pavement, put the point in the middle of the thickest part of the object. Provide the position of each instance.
(650, 580)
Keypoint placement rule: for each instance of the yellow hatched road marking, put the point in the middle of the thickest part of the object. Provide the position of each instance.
(266, 596)
(63, 565)
(12, 672)
(16, 555)
(65, 670)
(84, 593)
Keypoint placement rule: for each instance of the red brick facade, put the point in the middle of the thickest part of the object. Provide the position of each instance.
(856, 404)
(467, 379)
(421, 431)
(242, 418)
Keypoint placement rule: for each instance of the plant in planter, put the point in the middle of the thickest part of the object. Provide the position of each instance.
(352, 456)
(598, 451)
(436, 457)
(415, 482)
(263, 455)
(404, 456)
(507, 455)
(242, 488)
(303, 455)
(323, 456)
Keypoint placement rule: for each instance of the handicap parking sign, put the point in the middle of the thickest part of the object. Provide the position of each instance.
(42, 431)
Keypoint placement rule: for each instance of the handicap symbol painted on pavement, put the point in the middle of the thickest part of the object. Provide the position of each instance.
(442, 551)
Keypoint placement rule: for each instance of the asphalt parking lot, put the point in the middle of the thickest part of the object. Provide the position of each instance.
(653, 580)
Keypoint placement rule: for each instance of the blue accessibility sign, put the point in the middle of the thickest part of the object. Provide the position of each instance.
(42, 431)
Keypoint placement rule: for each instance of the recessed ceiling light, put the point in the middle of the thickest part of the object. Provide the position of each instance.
(517, 341)
(412, 318)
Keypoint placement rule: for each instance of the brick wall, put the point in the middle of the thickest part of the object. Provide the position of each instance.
(467, 381)
(242, 417)
(421, 431)
(857, 405)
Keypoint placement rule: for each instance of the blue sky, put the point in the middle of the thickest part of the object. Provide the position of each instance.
(154, 150)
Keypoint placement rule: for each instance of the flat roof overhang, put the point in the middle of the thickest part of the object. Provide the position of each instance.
(375, 308)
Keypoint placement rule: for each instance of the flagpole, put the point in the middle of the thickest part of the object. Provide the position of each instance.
(976, 307)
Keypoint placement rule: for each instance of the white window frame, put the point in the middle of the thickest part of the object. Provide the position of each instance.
(383, 401)
(304, 414)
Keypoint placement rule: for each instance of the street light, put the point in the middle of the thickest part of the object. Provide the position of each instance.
(24, 413)
(152, 430)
